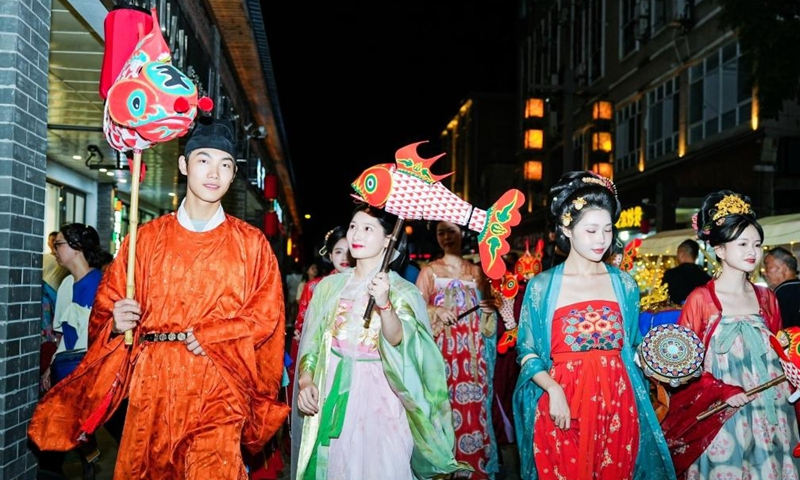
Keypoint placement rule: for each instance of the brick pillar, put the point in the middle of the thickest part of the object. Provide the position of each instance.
(24, 56)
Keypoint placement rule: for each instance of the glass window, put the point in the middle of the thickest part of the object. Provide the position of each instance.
(720, 95)
(628, 136)
(628, 27)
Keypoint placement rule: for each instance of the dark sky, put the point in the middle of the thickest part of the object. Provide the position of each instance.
(358, 80)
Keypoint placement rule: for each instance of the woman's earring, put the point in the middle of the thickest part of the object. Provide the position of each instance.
(718, 272)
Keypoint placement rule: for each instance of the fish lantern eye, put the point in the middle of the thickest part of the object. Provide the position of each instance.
(371, 183)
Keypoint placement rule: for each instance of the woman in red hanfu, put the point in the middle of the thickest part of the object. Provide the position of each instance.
(467, 337)
(582, 408)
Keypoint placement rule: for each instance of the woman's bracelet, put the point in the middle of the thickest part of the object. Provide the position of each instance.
(385, 307)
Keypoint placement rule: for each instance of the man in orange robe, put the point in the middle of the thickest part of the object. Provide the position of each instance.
(210, 284)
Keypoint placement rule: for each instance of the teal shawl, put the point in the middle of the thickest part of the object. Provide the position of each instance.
(414, 368)
(533, 353)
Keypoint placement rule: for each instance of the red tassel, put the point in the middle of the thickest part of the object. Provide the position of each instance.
(93, 421)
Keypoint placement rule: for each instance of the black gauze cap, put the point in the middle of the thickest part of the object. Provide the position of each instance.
(212, 133)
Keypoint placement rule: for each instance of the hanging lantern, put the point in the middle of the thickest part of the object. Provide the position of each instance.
(270, 186)
(271, 223)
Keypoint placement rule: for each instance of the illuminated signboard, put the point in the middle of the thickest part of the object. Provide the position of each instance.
(630, 218)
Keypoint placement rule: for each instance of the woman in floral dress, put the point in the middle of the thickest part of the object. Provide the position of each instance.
(462, 312)
(736, 319)
(581, 407)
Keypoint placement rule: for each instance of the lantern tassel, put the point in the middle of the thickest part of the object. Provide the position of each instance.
(92, 422)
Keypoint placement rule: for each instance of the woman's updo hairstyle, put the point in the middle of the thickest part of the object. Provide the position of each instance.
(723, 217)
(574, 194)
(331, 239)
(84, 238)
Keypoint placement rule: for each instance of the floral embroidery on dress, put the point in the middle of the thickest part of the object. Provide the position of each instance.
(369, 336)
(589, 329)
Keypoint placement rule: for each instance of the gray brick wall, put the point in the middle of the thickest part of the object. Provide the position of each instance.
(24, 52)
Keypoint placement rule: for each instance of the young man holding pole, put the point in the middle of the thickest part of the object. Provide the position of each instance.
(206, 362)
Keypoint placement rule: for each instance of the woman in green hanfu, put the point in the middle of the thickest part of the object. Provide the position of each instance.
(372, 399)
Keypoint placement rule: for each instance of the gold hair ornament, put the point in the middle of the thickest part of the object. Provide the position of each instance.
(579, 203)
(566, 219)
(602, 181)
(731, 205)
(324, 250)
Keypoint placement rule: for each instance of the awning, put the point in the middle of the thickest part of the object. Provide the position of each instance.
(778, 230)
(781, 229)
(665, 243)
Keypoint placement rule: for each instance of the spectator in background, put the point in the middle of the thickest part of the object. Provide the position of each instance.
(687, 275)
(52, 276)
(780, 273)
(312, 272)
(77, 249)
(293, 280)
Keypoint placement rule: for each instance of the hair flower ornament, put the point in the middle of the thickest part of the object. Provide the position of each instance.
(731, 205)
(579, 203)
(566, 219)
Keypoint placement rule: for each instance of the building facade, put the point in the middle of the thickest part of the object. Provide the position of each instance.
(657, 94)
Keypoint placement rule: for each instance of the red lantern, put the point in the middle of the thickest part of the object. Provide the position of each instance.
(270, 186)
(271, 223)
(122, 33)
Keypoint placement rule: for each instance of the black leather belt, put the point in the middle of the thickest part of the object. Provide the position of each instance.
(165, 337)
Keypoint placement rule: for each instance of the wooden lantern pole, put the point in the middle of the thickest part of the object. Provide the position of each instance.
(133, 224)
(387, 259)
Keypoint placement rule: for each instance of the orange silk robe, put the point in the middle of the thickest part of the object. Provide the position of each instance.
(188, 415)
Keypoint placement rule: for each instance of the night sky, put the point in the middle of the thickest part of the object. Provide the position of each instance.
(358, 80)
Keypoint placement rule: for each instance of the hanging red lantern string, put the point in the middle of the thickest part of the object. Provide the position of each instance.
(271, 223)
(270, 186)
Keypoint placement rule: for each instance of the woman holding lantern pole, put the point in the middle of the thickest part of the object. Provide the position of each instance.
(372, 391)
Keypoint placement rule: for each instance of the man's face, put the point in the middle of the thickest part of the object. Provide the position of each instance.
(209, 173)
(773, 271)
(51, 240)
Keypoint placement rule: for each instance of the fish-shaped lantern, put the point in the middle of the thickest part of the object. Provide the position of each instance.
(529, 265)
(506, 289)
(410, 190)
(151, 101)
(787, 345)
